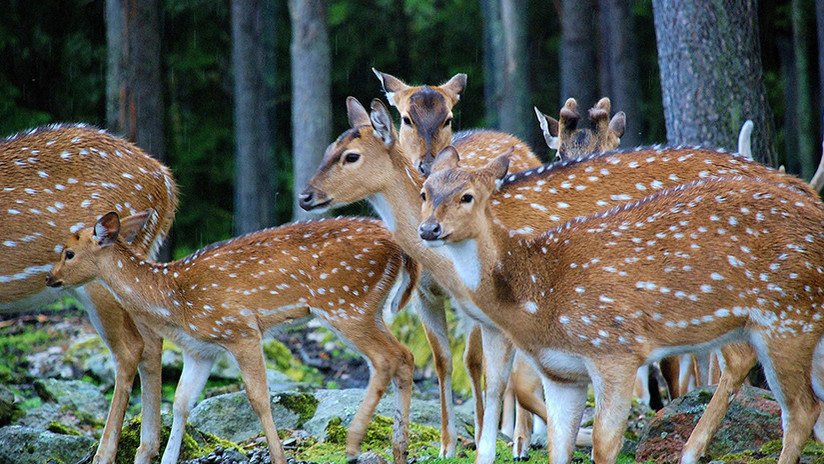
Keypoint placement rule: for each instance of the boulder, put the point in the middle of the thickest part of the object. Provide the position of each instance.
(230, 416)
(26, 445)
(9, 409)
(754, 418)
(82, 399)
(344, 404)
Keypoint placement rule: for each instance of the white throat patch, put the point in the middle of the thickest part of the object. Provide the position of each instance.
(464, 256)
(384, 210)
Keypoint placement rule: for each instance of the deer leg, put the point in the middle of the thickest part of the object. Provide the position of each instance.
(641, 389)
(669, 370)
(497, 366)
(565, 403)
(740, 358)
(119, 333)
(150, 392)
(249, 357)
(508, 414)
(474, 362)
(686, 379)
(522, 435)
(431, 311)
(403, 382)
(192, 380)
(787, 367)
(612, 381)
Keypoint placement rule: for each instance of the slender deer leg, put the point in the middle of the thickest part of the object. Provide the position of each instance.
(787, 365)
(508, 411)
(497, 366)
(740, 359)
(641, 389)
(431, 311)
(126, 344)
(522, 435)
(382, 366)
(474, 362)
(150, 394)
(686, 379)
(403, 398)
(249, 356)
(612, 381)
(565, 405)
(669, 369)
(191, 383)
(702, 369)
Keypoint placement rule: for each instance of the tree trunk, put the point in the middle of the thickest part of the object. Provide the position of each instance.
(134, 90)
(819, 14)
(579, 73)
(711, 75)
(790, 126)
(253, 65)
(514, 110)
(623, 86)
(493, 59)
(804, 97)
(311, 93)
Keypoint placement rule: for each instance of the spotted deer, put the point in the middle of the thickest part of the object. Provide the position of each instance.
(50, 185)
(227, 295)
(367, 163)
(685, 269)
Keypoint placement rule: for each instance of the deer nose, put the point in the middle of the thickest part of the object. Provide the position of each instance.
(305, 198)
(50, 282)
(430, 230)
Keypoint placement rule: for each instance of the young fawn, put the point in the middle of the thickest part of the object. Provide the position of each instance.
(686, 269)
(536, 200)
(50, 185)
(366, 163)
(227, 295)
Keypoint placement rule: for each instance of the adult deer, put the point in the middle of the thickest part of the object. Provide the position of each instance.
(527, 202)
(227, 295)
(686, 269)
(51, 184)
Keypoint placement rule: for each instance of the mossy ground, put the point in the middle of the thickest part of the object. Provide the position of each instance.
(195, 443)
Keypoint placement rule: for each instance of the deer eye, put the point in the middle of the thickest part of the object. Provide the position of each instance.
(407, 121)
(351, 157)
(69, 254)
(423, 195)
(467, 198)
(448, 122)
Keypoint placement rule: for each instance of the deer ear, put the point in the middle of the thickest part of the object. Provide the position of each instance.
(550, 129)
(498, 168)
(455, 86)
(618, 124)
(382, 123)
(107, 229)
(130, 226)
(391, 85)
(356, 112)
(448, 158)
(569, 115)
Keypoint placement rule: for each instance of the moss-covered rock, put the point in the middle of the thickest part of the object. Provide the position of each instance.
(26, 445)
(196, 443)
(81, 399)
(753, 419)
(231, 417)
(9, 409)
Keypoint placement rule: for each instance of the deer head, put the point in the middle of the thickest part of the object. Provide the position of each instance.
(564, 136)
(426, 115)
(454, 200)
(80, 261)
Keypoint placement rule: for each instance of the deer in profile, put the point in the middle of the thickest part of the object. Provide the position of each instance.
(686, 269)
(527, 202)
(227, 295)
(51, 185)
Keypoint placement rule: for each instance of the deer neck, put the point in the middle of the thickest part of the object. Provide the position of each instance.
(139, 284)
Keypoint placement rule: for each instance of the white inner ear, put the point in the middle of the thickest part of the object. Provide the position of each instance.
(553, 142)
(391, 97)
(499, 183)
(99, 230)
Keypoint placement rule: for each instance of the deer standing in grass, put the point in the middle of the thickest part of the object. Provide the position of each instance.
(227, 295)
(425, 129)
(366, 163)
(686, 269)
(50, 185)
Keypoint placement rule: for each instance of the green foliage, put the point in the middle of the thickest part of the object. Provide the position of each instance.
(280, 358)
(195, 443)
(57, 427)
(13, 351)
(303, 404)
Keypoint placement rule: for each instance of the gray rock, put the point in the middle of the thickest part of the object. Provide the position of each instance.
(371, 458)
(90, 355)
(345, 403)
(25, 445)
(8, 407)
(231, 417)
(43, 415)
(82, 399)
